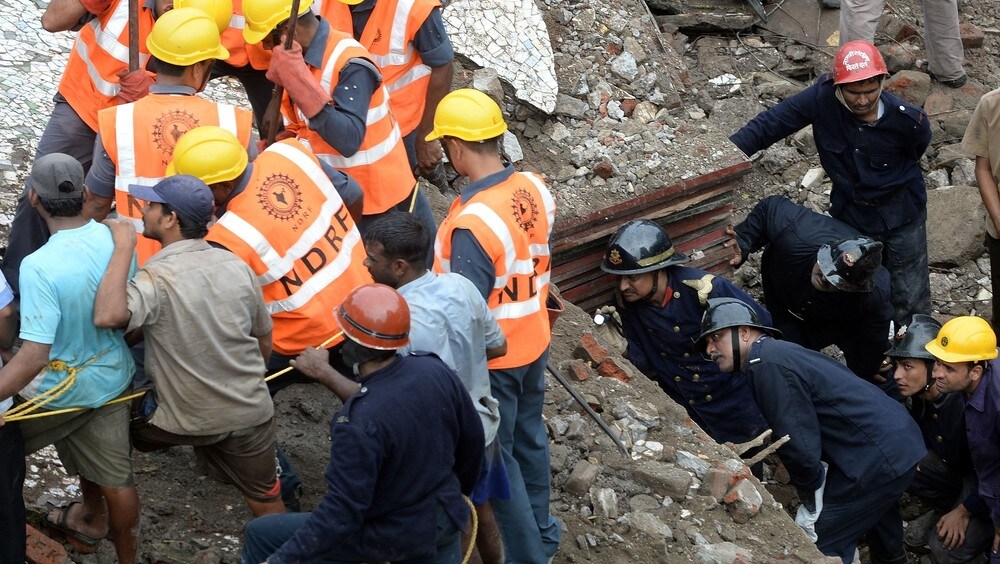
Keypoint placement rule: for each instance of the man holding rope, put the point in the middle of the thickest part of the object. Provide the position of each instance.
(65, 361)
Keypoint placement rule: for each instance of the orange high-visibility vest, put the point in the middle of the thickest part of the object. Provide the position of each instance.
(240, 52)
(380, 166)
(100, 51)
(290, 225)
(140, 137)
(512, 221)
(388, 36)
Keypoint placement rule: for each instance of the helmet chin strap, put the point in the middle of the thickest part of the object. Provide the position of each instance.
(656, 286)
(929, 366)
(735, 338)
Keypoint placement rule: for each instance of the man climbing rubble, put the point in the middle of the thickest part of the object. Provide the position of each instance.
(823, 282)
(870, 143)
(853, 450)
(661, 304)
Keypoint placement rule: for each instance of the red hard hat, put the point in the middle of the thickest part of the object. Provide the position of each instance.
(856, 61)
(375, 316)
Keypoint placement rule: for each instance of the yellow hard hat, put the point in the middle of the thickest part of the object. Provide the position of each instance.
(219, 10)
(185, 36)
(263, 15)
(351, 2)
(209, 153)
(964, 339)
(469, 115)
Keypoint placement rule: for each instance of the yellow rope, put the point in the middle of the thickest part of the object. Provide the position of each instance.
(475, 530)
(21, 412)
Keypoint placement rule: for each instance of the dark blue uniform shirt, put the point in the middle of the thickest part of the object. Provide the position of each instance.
(408, 442)
(982, 427)
(877, 182)
(866, 437)
(791, 235)
(661, 343)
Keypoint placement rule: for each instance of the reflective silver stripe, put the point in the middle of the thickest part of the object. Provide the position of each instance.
(331, 64)
(321, 279)
(237, 22)
(411, 76)
(227, 118)
(547, 201)
(109, 89)
(394, 59)
(366, 157)
(377, 113)
(515, 310)
(397, 39)
(125, 139)
(496, 224)
(108, 37)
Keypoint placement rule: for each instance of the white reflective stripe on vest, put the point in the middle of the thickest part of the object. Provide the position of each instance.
(411, 76)
(326, 80)
(366, 157)
(547, 202)
(515, 310)
(107, 38)
(445, 263)
(237, 22)
(394, 59)
(278, 265)
(397, 39)
(109, 89)
(321, 279)
(227, 118)
(499, 228)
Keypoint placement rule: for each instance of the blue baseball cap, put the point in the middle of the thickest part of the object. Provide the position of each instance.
(188, 196)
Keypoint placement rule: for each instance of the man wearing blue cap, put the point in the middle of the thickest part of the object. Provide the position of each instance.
(208, 336)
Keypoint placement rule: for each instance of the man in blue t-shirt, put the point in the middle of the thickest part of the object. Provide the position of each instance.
(60, 344)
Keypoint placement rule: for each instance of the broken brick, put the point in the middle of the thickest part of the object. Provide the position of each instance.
(628, 106)
(743, 501)
(938, 103)
(579, 369)
(604, 169)
(972, 36)
(589, 350)
(43, 550)
(610, 369)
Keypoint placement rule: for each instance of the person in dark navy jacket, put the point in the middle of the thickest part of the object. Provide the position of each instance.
(869, 143)
(818, 298)
(853, 450)
(945, 477)
(661, 304)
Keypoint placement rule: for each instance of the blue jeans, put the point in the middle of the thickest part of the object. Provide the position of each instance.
(874, 514)
(530, 532)
(264, 536)
(905, 257)
(11, 494)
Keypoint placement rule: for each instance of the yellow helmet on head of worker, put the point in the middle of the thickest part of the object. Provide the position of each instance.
(469, 115)
(219, 10)
(185, 36)
(209, 153)
(964, 339)
(262, 16)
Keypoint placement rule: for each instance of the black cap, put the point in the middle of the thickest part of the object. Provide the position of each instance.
(722, 313)
(910, 339)
(850, 264)
(190, 197)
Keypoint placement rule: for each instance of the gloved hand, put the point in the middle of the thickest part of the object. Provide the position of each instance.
(133, 85)
(95, 7)
(807, 519)
(289, 70)
(609, 328)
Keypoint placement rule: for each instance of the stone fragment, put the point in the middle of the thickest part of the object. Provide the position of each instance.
(589, 350)
(487, 80)
(898, 56)
(604, 169)
(643, 502)
(804, 141)
(557, 426)
(593, 402)
(610, 369)
(624, 66)
(797, 52)
(644, 112)
(972, 36)
(633, 46)
(663, 479)
(955, 220)
(628, 106)
(813, 178)
(558, 456)
(716, 483)
(937, 179)
(651, 525)
(964, 173)
(570, 106)
(582, 477)
(558, 132)
(910, 85)
(512, 147)
(724, 553)
(692, 462)
(40, 549)
(577, 427)
(743, 501)
(937, 104)
(578, 369)
(605, 502)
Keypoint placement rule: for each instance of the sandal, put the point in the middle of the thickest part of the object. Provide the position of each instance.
(82, 542)
(923, 66)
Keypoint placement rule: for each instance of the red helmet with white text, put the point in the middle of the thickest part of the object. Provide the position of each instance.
(856, 61)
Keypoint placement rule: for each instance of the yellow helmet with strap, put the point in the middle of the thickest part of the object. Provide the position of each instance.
(964, 339)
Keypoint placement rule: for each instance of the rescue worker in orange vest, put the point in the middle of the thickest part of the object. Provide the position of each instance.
(302, 212)
(416, 62)
(336, 104)
(96, 77)
(496, 234)
(246, 63)
(137, 140)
